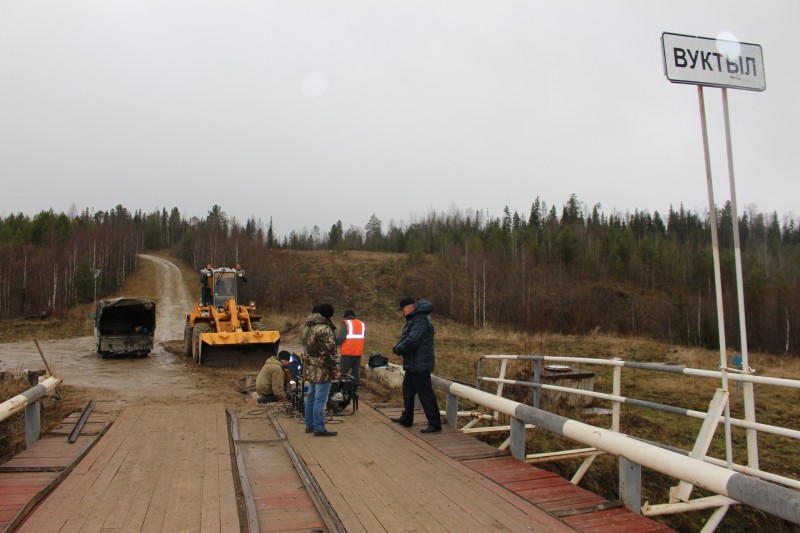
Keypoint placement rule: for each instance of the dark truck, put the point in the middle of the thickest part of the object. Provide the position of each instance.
(124, 326)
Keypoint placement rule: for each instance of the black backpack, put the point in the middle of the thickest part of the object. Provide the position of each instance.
(377, 359)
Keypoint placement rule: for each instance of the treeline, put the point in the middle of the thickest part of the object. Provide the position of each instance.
(571, 269)
(51, 262)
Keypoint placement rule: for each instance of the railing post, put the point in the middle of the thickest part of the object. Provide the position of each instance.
(451, 410)
(537, 379)
(630, 484)
(616, 391)
(33, 423)
(517, 438)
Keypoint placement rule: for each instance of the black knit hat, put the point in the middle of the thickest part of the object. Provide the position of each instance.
(326, 310)
(408, 300)
(284, 355)
(349, 313)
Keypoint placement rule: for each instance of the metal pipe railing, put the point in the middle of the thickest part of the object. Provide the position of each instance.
(29, 401)
(765, 428)
(657, 367)
(18, 402)
(768, 497)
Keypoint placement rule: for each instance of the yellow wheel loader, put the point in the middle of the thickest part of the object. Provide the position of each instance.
(223, 332)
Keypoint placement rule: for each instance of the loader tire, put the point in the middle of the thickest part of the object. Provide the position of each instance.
(197, 341)
(187, 339)
(259, 326)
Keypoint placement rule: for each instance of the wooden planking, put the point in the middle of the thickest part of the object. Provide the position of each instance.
(614, 520)
(155, 470)
(576, 506)
(379, 476)
(449, 441)
(281, 501)
(171, 469)
(226, 490)
(33, 473)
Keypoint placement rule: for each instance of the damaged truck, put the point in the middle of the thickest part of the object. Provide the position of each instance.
(124, 326)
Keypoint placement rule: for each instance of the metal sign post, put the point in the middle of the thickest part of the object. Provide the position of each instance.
(725, 64)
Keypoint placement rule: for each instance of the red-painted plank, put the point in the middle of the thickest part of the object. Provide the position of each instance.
(554, 494)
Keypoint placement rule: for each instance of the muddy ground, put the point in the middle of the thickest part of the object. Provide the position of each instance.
(164, 377)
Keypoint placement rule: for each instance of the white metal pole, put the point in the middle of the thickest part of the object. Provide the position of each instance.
(18, 402)
(749, 397)
(712, 211)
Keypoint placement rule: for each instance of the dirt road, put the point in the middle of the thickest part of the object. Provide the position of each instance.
(165, 376)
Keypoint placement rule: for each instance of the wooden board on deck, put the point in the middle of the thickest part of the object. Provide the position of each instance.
(280, 499)
(379, 476)
(29, 476)
(158, 468)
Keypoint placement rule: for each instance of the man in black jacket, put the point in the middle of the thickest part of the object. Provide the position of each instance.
(419, 359)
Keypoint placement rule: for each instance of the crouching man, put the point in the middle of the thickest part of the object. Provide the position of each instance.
(272, 380)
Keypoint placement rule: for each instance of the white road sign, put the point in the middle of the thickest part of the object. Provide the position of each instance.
(713, 62)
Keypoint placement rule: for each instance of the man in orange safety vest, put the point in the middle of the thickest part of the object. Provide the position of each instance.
(351, 345)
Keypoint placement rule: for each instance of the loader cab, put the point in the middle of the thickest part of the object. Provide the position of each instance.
(218, 285)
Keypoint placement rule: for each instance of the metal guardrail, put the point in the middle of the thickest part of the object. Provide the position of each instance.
(617, 399)
(29, 401)
(732, 483)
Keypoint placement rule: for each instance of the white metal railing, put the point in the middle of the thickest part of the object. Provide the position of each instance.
(718, 413)
(732, 486)
(765, 428)
(29, 400)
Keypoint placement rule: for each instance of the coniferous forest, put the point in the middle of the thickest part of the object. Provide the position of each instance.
(571, 269)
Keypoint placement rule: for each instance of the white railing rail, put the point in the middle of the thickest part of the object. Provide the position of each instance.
(769, 497)
(29, 401)
(617, 399)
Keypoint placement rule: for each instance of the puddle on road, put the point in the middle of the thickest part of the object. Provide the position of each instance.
(77, 364)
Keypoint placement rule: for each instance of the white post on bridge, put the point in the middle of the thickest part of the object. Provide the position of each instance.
(725, 64)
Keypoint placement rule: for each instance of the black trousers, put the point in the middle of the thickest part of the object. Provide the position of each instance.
(419, 384)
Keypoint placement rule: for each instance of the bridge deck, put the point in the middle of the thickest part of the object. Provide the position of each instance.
(380, 476)
(169, 468)
(164, 469)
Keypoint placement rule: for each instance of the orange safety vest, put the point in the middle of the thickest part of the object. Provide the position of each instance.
(354, 342)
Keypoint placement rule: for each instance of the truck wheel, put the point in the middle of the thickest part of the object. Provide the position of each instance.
(259, 326)
(197, 340)
(187, 339)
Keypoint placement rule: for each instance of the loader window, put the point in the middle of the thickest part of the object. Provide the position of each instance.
(225, 288)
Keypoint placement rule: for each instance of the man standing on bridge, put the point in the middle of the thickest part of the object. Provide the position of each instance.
(351, 345)
(319, 367)
(419, 359)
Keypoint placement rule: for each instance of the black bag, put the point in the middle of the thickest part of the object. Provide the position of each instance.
(377, 359)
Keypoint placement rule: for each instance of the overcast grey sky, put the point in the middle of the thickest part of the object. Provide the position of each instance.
(310, 112)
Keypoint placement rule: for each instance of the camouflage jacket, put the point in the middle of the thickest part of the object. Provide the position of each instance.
(319, 342)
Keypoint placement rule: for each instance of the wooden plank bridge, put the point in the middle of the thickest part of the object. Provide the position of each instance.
(190, 467)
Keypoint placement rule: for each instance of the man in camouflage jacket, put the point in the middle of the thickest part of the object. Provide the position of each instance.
(319, 367)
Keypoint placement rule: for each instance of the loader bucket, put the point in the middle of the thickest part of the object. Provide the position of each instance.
(238, 348)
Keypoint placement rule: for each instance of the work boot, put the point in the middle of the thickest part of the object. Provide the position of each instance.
(324, 433)
(431, 429)
(401, 422)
